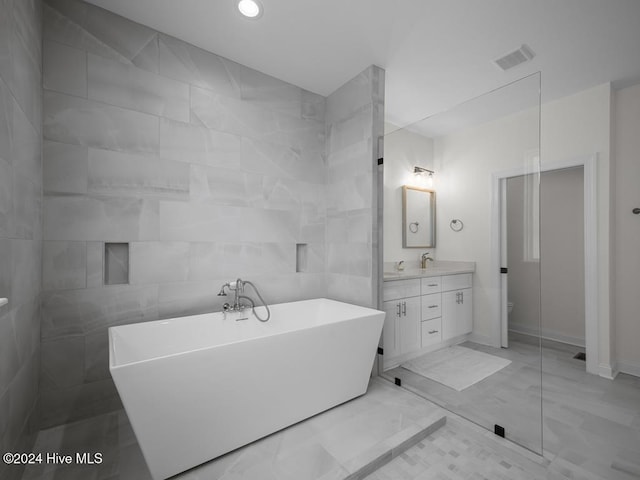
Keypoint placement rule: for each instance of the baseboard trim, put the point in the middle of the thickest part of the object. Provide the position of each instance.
(607, 371)
(548, 335)
(629, 367)
(482, 340)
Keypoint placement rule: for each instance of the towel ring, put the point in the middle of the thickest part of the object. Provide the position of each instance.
(413, 227)
(456, 225)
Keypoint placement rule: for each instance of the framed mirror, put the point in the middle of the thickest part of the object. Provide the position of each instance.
(418, 217)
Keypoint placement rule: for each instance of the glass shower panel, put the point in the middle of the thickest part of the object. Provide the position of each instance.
(469, 342)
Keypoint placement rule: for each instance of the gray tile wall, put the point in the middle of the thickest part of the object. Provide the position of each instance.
(20, 223)
(208, 169)
(355, 122)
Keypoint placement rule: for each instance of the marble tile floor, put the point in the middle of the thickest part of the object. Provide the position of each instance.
(462, 451)
(346, 442)
(588, 424)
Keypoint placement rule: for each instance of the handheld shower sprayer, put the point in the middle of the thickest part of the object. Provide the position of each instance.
(238, 287)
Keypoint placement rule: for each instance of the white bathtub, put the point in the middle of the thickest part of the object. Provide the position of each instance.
(197, 387)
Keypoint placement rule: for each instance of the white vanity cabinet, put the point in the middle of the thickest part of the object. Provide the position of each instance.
(457, 305)
(424, 314)
(401, 331)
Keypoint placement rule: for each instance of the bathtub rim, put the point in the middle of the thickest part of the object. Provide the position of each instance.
(368, 311)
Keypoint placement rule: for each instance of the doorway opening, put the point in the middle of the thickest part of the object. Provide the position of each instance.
(567, 245)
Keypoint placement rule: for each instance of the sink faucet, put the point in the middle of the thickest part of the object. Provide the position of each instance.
(424, 259)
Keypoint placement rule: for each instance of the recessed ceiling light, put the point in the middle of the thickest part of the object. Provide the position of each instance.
(250, 8)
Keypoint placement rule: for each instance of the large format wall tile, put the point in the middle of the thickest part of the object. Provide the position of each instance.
(115, 83)
(22, 73)
(62, 362)
(283, 160)
(208, 169)
(26, 259)
(125, 174)
(26, 207)
(26, 145)
(108, 219)
(64, 168)
(190, 64)
(78, 312)
(223, 186)
(64, 265)
(84, 122)
(159, 262)
(20, 224)
(183, 142)
(123, 36)
(64, 69)
(266, 91)
(6, 199)
(354, 125)
(6, 119)
(60, 29)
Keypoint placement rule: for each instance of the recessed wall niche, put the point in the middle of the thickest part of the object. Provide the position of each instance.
(116, 263)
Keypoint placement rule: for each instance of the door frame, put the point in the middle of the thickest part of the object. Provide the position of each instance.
(498, 247)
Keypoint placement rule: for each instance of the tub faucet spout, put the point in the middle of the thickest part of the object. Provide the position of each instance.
(238, 288)
(238, 306)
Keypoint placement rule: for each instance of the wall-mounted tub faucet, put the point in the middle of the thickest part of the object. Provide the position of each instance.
(238, 287)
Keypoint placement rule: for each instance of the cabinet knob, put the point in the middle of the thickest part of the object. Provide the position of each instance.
(432, 306)
(431, 332)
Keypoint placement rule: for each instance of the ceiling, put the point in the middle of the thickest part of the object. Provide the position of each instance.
(436, 53)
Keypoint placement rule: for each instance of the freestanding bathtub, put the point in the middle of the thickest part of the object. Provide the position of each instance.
(197, 387)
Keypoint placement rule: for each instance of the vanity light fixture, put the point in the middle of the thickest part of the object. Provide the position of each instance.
(419, 171)
(250, 8)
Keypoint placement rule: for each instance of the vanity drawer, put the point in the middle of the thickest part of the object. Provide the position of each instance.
(431, 306)
(431, 332)
(431, 285)
(456, 282)
(394, 289)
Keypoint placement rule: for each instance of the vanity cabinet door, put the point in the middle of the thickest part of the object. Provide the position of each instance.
(389, 336)
(409, 336)
(449, 312)
(457, 313)
(464, 321)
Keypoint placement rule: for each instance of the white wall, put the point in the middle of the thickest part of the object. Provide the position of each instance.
(575, 126)
(559, 277)
(464, 162)
(403, 150)
(570, 127)
(627, 228)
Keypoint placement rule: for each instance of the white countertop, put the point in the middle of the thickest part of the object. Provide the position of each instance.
(434, 269)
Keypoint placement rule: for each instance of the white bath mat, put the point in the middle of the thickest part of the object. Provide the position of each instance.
(456, 367)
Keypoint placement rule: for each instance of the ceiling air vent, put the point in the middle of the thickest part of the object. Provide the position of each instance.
(512, 59)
